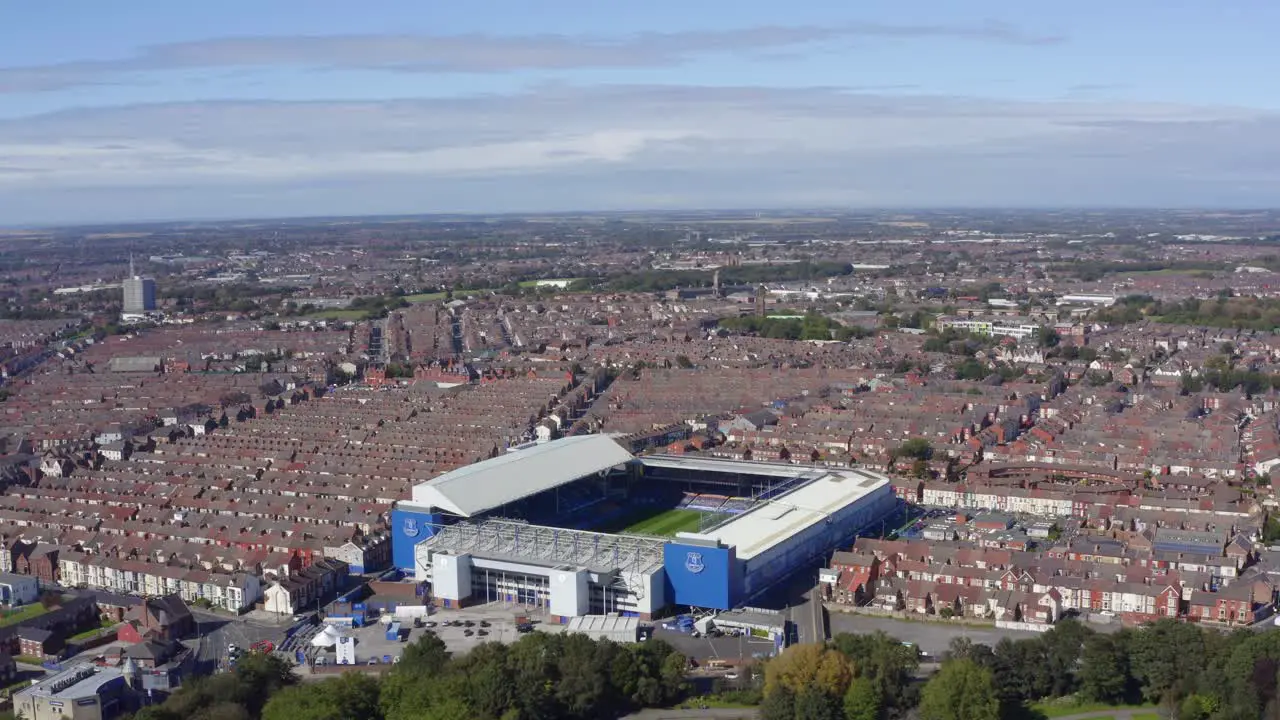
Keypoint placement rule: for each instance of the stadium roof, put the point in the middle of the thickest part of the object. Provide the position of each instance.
(498, 481)
(773, 521)
(632, 556)
(721, 465)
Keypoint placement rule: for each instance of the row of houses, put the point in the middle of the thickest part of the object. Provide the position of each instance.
(1035, 588)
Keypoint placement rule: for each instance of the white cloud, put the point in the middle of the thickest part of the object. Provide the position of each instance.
(566, 148)
(477, 53)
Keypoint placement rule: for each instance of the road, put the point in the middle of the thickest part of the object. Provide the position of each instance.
(930, 637)
(809, 618)
(709, 648)
(218, 632)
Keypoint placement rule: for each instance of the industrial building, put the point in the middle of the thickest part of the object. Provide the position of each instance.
(82, 692)
(524, 528)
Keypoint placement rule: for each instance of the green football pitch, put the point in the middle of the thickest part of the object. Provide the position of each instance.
(667, 523)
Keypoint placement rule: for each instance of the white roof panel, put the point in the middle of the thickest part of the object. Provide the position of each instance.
(783, 517)
(497, 481)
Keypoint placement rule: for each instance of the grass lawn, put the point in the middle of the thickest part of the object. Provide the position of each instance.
(668, 523)
(437, 296)
(424, 297)
(1146, 716)
(337, 314)
(23, 613)
(1104, 712)
(91, 633)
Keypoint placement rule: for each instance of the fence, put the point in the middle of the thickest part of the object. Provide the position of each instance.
(1029, 627)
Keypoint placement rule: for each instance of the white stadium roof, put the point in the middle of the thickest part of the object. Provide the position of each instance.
(772, 521)
(507, 478)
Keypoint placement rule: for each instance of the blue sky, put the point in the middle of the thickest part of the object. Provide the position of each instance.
(153, 110)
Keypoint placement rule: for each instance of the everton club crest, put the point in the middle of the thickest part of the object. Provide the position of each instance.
(693, 563)
(410, 527)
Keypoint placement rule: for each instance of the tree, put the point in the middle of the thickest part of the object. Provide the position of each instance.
(883, 659)
(1167, 657)
(1063, 645)
(962, 690)
(917, 448)
(778, 705)
(426, 655)
(1104, 670)
(863, 700)
(808, 665)
(352, 695)
(1048, 337)
(814, 704)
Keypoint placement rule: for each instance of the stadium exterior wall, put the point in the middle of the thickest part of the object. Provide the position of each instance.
(410, 525)
(777, 562)
(698, 575)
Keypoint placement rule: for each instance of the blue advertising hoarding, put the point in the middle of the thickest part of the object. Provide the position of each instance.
(408, 528)
(702, 576)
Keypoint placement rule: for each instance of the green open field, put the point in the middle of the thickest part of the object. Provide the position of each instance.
(337, 314)
(665, 523)
(437, 296)
(23, 613)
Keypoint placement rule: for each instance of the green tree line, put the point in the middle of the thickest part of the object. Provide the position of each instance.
(811, 327)
(1189, 672)
(540, 677)
(1241, 313)
(661, 280)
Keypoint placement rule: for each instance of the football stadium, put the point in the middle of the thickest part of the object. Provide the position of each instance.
(580, 526)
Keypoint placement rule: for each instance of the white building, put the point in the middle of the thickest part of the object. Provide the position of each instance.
(18, 589)
(139, 295)
(989, 326)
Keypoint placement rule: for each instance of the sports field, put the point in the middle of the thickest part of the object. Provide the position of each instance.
(665, 523)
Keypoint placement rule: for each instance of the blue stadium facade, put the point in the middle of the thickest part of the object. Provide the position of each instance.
(771, 521)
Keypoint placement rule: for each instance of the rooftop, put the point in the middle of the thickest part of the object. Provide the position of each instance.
(772, 521)
(507, 478)
(631, 555)
(76, 682)
(603, 624)
(744, 467)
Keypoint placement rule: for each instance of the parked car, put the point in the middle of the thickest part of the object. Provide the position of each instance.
(468, 633)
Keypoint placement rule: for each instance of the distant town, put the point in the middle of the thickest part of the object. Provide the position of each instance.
(735, 431)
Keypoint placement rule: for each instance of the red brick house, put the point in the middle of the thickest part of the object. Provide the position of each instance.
(858, 573)
(163, 618)
(40, 561)
(40, 642)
